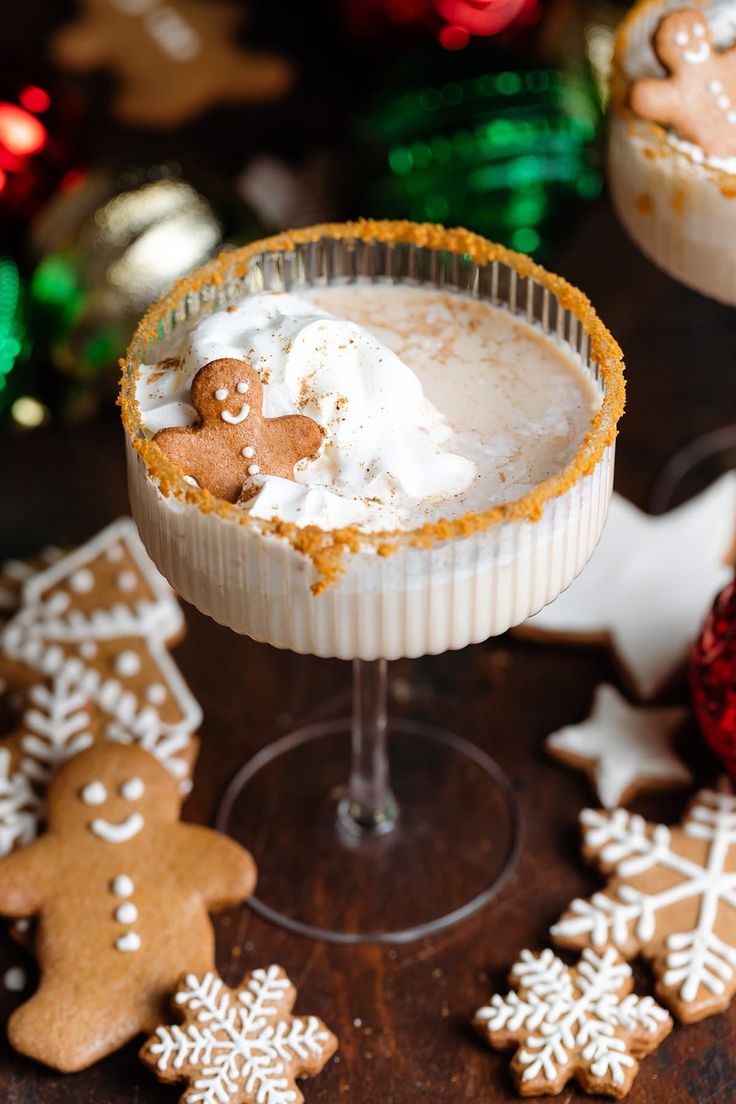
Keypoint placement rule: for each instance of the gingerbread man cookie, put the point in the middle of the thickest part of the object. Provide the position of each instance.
(173, 58)
(698, 98)
(122, 890)
(234, 440)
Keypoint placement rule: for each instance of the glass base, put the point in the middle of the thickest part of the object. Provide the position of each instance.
(447, 855)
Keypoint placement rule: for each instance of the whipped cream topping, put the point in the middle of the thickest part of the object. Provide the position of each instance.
(385, 448)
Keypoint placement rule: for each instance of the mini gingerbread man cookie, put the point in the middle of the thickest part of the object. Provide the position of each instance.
(121, 889)
(698, 98)
(234, 439)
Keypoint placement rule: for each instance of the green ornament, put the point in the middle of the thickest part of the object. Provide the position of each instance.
(509, 152)
(14, 338)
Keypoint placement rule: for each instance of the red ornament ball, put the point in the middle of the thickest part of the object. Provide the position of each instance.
(713, 678)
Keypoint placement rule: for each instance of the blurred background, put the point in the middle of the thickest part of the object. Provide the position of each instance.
(139, 137)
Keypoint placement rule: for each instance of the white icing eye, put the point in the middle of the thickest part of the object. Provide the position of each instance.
(242, 387)
(132, 789)
(94, 793)
(699, 30)
(221, 394)
(682, 38)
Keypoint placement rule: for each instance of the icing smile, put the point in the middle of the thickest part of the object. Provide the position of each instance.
(117, 833)
(236, 419)
(695, 57)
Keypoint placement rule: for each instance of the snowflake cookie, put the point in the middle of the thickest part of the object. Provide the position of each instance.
(239, 1046)
(671, 896)
(581, 1022)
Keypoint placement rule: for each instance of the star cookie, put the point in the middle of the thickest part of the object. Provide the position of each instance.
(239, 1046)
(234, 440)
(581, 1022)
(173, 58)
(649, 584)
(698, 97)
(670, 896)
(624, 750)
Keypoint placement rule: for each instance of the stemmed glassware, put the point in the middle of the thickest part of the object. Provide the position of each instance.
(366, 828)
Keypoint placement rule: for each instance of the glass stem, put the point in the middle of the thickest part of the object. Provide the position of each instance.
(370, 807)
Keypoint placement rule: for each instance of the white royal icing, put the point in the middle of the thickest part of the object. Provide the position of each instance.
(131, 941)
(94, 793)
(15, 979)
(127, 663)
(126, 581)
(117, 833)
(122, 886)
(156, 693)
(126, 913)
(693, 965)
(235, 419)
(132, 789)
(82, 581)
(555, 1009)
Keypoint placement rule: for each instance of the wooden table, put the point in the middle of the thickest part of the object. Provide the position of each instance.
(402, 1013)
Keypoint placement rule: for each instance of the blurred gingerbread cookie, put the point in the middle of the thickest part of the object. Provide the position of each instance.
(698, 97)
(173, 58)
(234, 440)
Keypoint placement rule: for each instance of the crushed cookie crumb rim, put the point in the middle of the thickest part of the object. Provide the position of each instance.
(325, 547)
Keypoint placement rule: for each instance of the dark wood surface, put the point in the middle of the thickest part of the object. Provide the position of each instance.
(413, 1002)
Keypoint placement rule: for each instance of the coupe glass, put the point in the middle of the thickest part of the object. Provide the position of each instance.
(367, 829)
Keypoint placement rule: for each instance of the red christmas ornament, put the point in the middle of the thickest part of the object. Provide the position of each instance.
(713, 678)
(480, 17)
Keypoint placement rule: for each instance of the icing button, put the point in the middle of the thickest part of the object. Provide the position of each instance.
(131, 941)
